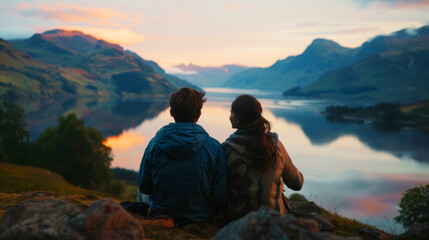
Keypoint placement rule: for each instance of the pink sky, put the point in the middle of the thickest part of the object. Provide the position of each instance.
(210, 33)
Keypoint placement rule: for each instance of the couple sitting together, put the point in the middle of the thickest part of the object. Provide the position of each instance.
(189, 176)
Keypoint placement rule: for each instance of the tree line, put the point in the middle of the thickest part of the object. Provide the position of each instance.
(71, 149)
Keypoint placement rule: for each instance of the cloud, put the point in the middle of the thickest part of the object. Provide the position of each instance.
(177, 70)
(24, 6)
(236, 7)
(67, 13)
(121, 36)
(395, 3)
(332, 30)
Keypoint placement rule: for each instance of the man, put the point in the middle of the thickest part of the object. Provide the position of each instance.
(183, 169)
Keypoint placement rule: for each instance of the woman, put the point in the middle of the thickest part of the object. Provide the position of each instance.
(258, 164)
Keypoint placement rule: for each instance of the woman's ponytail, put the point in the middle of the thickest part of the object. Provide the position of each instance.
(247, 110)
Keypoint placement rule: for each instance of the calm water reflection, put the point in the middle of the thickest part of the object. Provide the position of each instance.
(354, 169)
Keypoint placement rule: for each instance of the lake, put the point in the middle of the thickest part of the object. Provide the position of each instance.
(353, 169)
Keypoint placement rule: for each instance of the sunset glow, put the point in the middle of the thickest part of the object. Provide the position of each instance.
(213, 33)
(124, 141)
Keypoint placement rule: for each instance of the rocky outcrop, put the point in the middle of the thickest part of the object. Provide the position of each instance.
(58, 219)
(48, 219)
(269, 224)
(310, 210)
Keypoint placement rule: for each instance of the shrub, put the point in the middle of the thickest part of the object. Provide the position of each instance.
(414, 206)
(296, 197)
(75, 151)
(14, 137)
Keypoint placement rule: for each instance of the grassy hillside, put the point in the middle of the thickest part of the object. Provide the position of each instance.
(21, 76)
(21, 179)
(68, 63)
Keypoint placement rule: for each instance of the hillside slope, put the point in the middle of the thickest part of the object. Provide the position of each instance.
(177, 82)
(398, 74)
(21, 76)
(87, 66)
(21, 179)
(319, 57)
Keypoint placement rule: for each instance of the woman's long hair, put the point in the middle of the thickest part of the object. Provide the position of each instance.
(247, 111)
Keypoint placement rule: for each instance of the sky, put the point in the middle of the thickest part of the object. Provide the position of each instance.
(213, 33)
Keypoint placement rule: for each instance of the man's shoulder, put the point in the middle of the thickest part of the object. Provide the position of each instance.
(213, 141)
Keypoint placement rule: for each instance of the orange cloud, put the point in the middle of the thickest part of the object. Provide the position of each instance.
(125, 141)
(74, 13)
(119, 36)
(237, 7)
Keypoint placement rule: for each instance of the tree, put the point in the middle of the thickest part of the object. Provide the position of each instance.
(414, 206)
(76, 152)
(14, 138)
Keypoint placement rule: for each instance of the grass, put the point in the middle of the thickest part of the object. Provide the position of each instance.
(345, 226)
(19, 183)
(15, 179)
(130, 193)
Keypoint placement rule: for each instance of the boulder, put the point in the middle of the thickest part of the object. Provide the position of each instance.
(47, 219)
(373, 234)
(106, 219)
(310, 210)
(59, 219)
(270, 224)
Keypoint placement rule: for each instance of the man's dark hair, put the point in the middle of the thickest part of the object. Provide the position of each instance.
(186, 104)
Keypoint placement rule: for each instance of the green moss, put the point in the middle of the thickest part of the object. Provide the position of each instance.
(296, 197)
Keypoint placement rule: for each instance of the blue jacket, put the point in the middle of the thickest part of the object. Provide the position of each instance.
(184, 172)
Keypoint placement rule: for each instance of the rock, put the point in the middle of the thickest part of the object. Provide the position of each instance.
(373, 234)
(47, 219)
(106, 219)
(270, 224)
(58, 219)
(310, 210)
(36, 194)
(418, 231)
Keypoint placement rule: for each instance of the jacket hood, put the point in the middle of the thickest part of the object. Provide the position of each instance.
(245, 144)
(180, 140)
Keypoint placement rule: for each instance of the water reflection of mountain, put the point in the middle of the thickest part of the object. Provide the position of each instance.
(320, 131)
(108, 116)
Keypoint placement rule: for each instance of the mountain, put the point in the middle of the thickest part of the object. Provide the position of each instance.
(61, 63)
(400, 73)
(319, 57)
(177, 82)
(21, 76)
(208, 76)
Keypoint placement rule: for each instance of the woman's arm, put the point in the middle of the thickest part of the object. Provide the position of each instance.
(292, 177)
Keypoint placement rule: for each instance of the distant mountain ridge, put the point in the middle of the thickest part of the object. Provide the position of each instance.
(320, 56)
(208, 76)
(398, 73)
(60, 63)
(177, 82)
